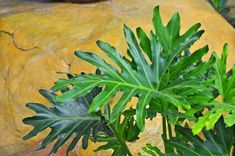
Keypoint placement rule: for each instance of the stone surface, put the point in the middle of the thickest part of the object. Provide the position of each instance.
(57, 30)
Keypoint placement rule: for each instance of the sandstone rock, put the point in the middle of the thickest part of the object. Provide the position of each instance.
(60, 29)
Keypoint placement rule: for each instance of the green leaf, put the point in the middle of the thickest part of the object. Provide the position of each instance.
(225, 86)
(121, 104)
(209, 119)
(140, 109)
(65, 119)
(152, 150)
(169, 35)
(184, 148)
(112, 145)
(218, 141)
(186, 63)
(140, 78)
(124, 131)
(220, 71)
(107, 94)
(144, 42)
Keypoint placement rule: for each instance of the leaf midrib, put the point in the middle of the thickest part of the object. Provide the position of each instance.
(129, 85)
(94, 118)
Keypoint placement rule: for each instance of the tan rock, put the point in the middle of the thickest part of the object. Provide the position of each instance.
(60, 29)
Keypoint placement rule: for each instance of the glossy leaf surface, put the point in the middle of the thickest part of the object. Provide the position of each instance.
(225, 86)
(216, 142)
(125, 131)
(164, 77)
(67, 121)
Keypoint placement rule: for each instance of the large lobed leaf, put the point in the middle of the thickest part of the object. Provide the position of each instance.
(168, 75)
(67, 121)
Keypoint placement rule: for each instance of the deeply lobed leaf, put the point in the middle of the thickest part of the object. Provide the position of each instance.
(143, 79)
(67, 120)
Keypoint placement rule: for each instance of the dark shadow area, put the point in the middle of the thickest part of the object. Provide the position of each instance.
(78, 1)
(64, 1)
(17, 2)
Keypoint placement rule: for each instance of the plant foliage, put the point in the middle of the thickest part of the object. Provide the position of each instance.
(163, 78)
(70, 122)
(66, 120)
(166, 78)
(126, 131)
(225, 86)
(216, 142)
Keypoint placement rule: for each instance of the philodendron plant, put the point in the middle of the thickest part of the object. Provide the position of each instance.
(195, 97)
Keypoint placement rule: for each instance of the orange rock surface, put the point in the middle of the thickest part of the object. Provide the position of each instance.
(57, 30)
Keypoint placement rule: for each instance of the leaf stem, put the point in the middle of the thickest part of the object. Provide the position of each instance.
(122, 142)
(164, 135)
(166, 129)
(169, 130)
(101, 139)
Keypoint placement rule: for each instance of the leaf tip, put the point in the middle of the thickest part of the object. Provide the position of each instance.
(198, 25)
(156, 9)
(25, 121)
(41, 91)
(125, 28)
(225, 45)
(25, 137)
(77, 53)
(99, 42)
(201, 32)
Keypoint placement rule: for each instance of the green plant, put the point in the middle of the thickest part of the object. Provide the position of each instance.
(164, 76)
(216, 142)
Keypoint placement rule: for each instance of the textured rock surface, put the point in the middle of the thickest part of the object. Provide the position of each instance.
(58, 30)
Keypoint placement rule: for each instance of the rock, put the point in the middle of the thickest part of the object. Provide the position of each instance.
(57, 30)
